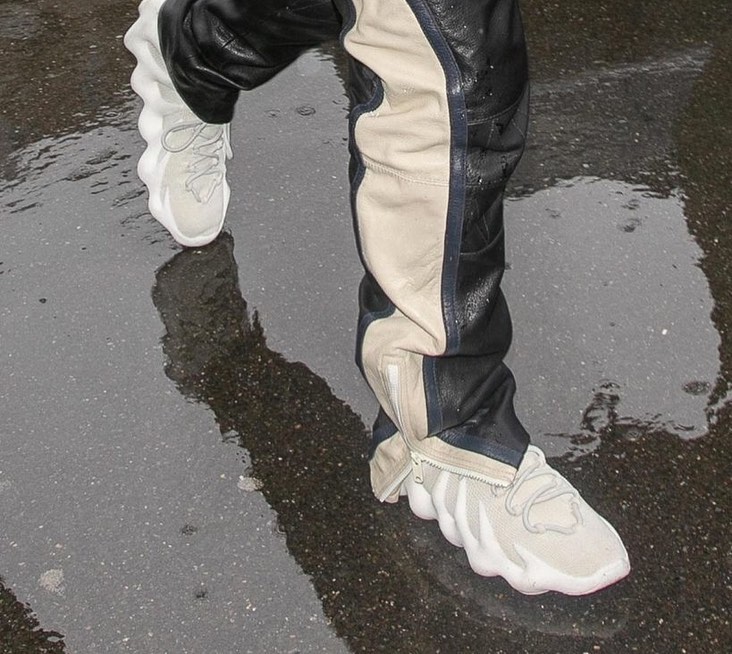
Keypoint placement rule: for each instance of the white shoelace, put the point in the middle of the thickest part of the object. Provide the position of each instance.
(210, 154)
(554, 487)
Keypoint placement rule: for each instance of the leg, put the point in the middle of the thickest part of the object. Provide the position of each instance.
(440, 111)
(194, 56)
(435, 139)
(216, 48)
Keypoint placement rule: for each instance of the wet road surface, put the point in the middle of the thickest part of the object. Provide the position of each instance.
(182, 433)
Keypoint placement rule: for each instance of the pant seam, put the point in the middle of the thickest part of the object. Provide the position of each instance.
(375, 166)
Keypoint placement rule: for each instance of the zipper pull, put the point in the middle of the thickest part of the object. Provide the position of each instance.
(417, 472)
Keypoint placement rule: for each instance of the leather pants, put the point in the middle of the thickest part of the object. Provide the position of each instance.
(439, 104)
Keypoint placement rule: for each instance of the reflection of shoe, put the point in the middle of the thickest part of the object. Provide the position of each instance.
(489, 602)
(538, 533)
(198, 297)
(286, 417)
(184, 164)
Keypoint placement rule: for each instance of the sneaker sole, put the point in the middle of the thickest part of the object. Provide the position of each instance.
(142, 40)
(488, 559)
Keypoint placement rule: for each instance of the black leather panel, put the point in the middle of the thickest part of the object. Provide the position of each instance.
(214, 48)
(470, 390)
(487, 41)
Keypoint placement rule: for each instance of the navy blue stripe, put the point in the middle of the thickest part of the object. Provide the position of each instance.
(434, 408)
(455, 207)
(363, 325)
(358, 175)
(458, 147)
(380, 434)
(356, 112)
(348, 22)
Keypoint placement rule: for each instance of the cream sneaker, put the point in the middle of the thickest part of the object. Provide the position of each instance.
(184, 164)
(538, 534)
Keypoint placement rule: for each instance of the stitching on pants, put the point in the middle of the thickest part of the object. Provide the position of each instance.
(373, 165)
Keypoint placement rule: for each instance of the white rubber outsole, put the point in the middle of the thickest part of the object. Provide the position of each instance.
(141, 40)
(487, 558)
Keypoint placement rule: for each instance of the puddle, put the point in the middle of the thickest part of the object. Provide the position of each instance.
(615, 343)
(184, 556)
(20, 630)
(307, 450)
(18, 21)
(611, 312)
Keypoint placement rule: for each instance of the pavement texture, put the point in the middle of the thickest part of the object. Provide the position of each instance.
(183, 432)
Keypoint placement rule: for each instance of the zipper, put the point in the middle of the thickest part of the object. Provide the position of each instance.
(393, 387)
(419, 459)
(417, 471)
(392, 488)
(417, 456)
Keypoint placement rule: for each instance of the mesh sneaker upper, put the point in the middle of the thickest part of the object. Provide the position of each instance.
(184, 165)
(538, 533)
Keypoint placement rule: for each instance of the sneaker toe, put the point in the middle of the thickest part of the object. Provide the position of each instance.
(193, 223)
(587, 561)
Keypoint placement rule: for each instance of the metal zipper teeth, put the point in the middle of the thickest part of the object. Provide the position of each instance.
(393, 388)
(418, 458)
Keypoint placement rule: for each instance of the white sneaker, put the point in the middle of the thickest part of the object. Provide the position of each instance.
(538, 534)
(184, 164)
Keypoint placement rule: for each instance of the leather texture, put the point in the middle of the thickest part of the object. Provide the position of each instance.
(216, 48)
(470, 390)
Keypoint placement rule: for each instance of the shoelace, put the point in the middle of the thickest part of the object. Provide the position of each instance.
(208, 162)
(554, 487)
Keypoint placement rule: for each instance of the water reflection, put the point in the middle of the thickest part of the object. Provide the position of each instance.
(64, 67)
(567, 36)
(619, 330)
(391, 583)
(20, 631)
(387, 581)
(610, 122)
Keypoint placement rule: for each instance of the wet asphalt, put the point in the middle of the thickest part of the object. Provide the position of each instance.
(182, 434)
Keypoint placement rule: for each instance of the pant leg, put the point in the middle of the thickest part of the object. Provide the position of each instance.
(440, 94)
(439, 114)
(215, 48)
